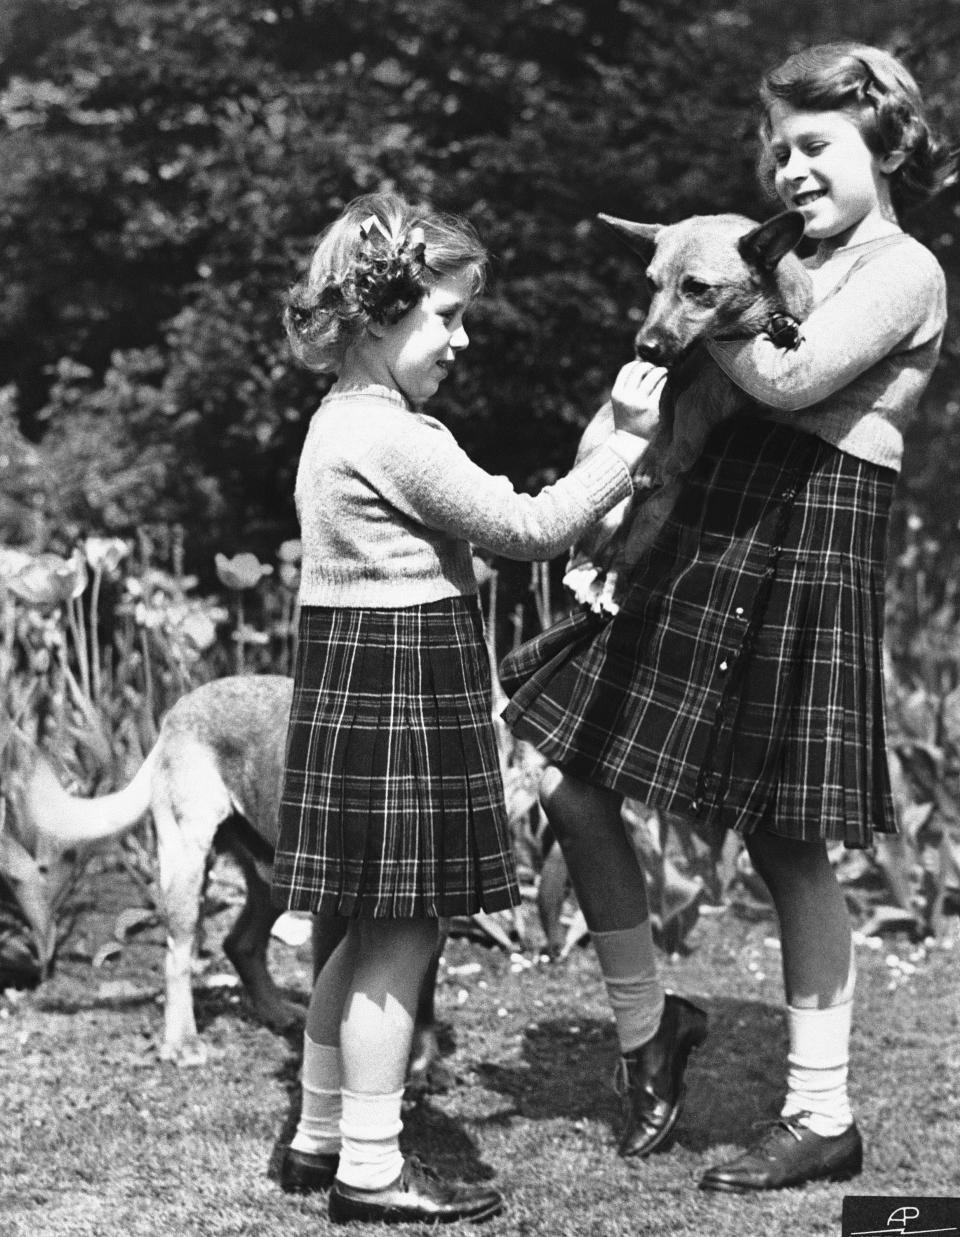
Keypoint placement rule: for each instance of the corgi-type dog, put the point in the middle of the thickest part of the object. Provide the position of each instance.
(708, 277)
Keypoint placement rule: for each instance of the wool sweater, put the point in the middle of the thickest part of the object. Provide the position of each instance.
(867, 351)
(389, 504)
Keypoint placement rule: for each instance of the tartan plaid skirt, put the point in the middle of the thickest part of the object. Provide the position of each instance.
(392, 803)
(741, 682)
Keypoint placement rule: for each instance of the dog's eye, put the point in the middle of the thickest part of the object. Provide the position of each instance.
(696, 288)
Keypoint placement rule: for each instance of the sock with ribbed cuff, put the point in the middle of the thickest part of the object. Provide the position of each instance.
(318, 1131)
(817, 1066)
(628, 962)
(370, 1126)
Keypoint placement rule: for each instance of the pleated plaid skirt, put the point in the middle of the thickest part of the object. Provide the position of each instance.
(741, 682)
(392, 803)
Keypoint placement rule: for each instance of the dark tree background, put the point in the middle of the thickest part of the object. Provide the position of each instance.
(165, 166)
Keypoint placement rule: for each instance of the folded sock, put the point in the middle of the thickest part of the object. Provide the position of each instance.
(628, 962)
(817, 1067)
(318, 1131)
(370, 1126)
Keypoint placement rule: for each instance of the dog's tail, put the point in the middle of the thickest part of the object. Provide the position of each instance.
(71, 820)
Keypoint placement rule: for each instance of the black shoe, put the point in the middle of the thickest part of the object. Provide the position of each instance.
(651, 1081)
(416, 1196)
(789, 1154)
(302, 1172)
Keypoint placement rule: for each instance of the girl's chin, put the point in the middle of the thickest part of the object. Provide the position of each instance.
(424, 391)
(819, 229)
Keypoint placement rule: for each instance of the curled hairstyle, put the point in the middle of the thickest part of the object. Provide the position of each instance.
(373, 264)
(882, 99)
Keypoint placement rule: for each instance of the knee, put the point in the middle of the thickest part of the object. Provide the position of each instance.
(551, 786)
(577, 809)
(784, 862)
(558, 798)
(400, 942)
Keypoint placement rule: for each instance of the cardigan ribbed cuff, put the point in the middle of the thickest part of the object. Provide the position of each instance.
(605, 477)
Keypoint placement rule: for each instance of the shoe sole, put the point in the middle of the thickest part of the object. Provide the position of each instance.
(398, 1215)
(731, 1187)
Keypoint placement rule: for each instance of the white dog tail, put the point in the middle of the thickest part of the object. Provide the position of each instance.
(71, 820)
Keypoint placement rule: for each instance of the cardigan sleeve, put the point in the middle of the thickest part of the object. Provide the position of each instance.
(886, 304)
(431, 480)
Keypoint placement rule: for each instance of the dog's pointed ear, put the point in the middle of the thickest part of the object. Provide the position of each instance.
(766, 245)
(640, 237)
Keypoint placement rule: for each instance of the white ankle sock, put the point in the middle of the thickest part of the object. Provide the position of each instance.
(628, 962)
(370, 1127)
(318, 1131)
(817, 1068)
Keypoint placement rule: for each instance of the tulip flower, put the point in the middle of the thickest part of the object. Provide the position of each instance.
(238, 573)
(242, 571)
(104, 554)
(48, 580)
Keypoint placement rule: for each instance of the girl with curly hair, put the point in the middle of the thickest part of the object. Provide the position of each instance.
(392, 812)
(741, 681)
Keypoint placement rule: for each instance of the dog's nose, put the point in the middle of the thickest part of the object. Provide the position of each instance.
(653, 353)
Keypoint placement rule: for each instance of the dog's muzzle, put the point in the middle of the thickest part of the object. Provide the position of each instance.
(656, 354)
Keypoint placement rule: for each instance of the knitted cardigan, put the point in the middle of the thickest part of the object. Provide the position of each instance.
(389, 504)
(868, 348)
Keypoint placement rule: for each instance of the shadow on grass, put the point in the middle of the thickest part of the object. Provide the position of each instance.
(443, 1142)
(733, 1082)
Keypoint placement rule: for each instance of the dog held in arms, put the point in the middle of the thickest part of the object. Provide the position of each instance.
(211, 782)
(708, 276)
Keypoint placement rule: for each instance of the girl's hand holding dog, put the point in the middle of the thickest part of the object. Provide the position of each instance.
(636, 398)
(634, 409)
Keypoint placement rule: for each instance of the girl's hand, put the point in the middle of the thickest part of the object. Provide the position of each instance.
(636, 398)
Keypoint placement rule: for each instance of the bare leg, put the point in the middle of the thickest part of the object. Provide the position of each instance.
(602, 863)
(816, 1138)
(656, 1033)
(818, 978)
(364, 997)
(380, 1008)
(373, 1181)
(376, 1035)
(815, 931)
(330, 989)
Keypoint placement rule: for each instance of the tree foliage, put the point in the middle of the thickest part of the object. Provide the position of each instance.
(165, 166)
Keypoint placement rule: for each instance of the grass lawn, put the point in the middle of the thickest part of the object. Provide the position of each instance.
(98, 1137)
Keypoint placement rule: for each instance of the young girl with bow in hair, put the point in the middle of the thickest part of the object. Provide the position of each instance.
(392, 812)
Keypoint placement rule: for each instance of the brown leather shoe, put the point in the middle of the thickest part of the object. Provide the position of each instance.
(651, 1078)
(417, 1196)
(302, 1172)
(788, 1154)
